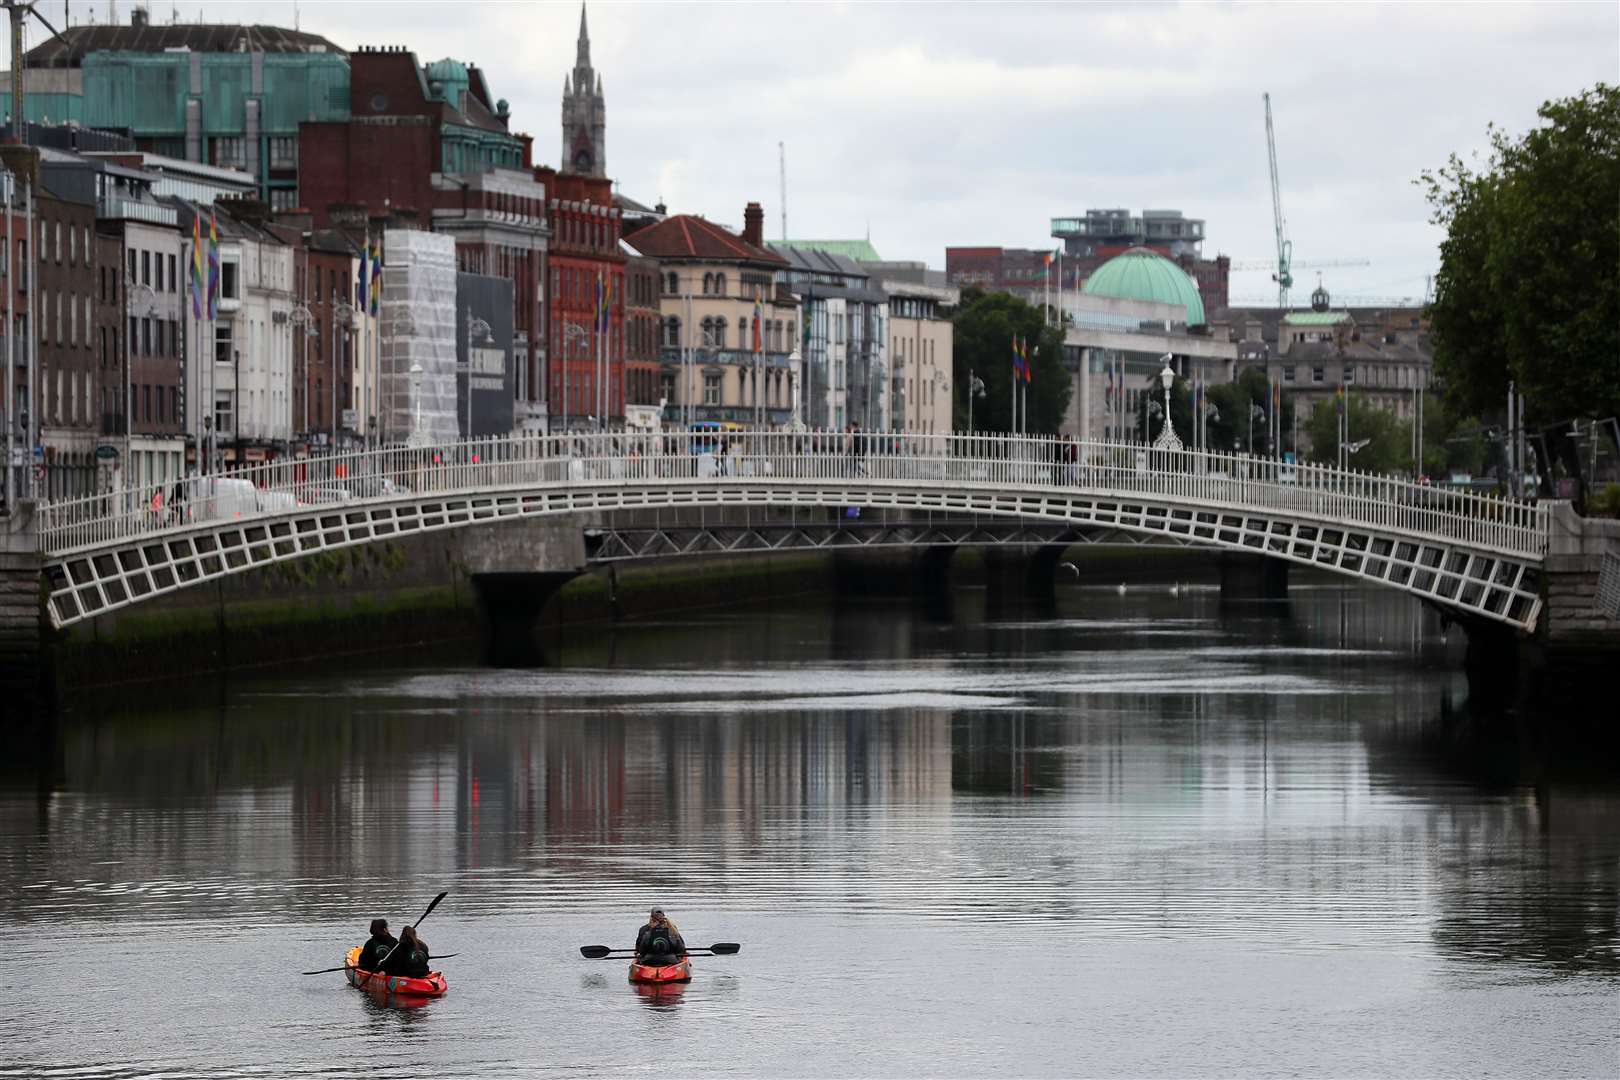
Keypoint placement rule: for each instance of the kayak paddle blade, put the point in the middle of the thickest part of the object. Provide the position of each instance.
(725, 948)
(594, 952)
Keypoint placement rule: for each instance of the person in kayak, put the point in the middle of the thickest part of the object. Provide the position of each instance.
(659, 942)
(373, 951)
(411, 958)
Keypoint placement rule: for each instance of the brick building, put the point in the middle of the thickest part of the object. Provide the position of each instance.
(583, 249)
(641, 337)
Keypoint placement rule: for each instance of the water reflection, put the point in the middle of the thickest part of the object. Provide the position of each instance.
(1127, 773)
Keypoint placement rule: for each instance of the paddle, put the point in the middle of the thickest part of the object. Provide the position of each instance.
(345, 967)
(418, 922)
(602, 952)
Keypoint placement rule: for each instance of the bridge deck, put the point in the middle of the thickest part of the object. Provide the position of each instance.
(1477, 552)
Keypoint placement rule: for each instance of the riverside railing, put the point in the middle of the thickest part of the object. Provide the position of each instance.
(1016, 465)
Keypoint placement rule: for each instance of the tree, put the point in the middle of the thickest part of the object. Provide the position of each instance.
(1528, 289)
(983, 329)
(1388, 446)
(1230, 429)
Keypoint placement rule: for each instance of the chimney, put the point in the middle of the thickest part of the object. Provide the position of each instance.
(754, 225)
(139, 17)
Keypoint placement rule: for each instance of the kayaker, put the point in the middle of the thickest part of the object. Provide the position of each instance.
(411, 958)
(659, 942)
(373, 951)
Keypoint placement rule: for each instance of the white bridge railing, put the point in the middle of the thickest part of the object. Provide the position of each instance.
(1019, 465)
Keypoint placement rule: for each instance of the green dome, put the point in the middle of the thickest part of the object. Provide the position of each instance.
(451, 75)
(1140, 274)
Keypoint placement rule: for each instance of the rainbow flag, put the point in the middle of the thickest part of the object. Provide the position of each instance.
(1023, 356)
(213, 264)
(759, 313)
(604, 313)
(196, 267)
(1338, 400)
(360, 290)
(376, 276)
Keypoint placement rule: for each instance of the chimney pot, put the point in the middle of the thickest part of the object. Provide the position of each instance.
(754, 224)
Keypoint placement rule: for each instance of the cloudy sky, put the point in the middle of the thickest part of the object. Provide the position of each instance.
(936, 124)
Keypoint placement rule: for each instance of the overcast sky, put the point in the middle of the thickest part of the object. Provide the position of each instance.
(975, 123)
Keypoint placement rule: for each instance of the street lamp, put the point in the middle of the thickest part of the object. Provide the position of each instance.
(575, 333)
(340, 309)
(1254, 411)
(418, 438)
(975, 389)
(303, 318)
(131, 287)
(1167, 440)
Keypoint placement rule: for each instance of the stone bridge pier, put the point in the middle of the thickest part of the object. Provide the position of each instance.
(24, 688)
(515, 567)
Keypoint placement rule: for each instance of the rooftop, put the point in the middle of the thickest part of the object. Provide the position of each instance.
(859, 250)
(685, 236)
(1141, 274)
(75, 42)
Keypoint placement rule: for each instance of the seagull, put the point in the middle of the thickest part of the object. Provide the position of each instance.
(1175, 590)
(1121, 589)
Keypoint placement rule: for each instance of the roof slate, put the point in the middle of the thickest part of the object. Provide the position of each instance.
(686, 236)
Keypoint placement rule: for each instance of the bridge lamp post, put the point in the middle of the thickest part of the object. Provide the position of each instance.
(1254, 411)
(418, 438)
(1168, 439)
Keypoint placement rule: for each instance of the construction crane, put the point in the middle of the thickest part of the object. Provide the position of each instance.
(19, 10)
(1307, 264)
(1285, 250)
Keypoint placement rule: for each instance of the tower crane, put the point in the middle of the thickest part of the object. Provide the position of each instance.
(1304, 264)
(1285, 250)
(18, 12)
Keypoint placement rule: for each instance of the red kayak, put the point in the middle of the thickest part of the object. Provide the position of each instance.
(398, 987)
(679, 972)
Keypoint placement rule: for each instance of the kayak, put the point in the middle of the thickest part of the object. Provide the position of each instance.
(397, 986)
(678, 972)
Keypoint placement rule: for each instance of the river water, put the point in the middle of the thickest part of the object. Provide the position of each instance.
(1143, 834)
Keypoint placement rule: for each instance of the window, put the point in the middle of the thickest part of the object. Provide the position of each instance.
(1317, 375)
(283, 153)
(58, 241)
(158, 333)
(708, 284)
(222, 412)
(227, 280)
(1349, 374)
(742, 334)
(283, 198)
(1288, 374)
(720, 284)
(146, 404)
(230, 153)
(174, 282)
(672, 332)
(671, 284)
(222, 343)
(73, 246)
(146, 337)
(711, 388)
(146, 268)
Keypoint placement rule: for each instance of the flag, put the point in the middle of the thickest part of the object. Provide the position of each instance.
(1017, 360)
(360, 289)
(1338, 400)
(598, 319)
(376, 276)
(1046, 264)
(1023, 356)
(759, 313)
(213, 264)
(606, 314)
(196, 267)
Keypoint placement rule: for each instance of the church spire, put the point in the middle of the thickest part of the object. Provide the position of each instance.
(582, 57)
(584, 114)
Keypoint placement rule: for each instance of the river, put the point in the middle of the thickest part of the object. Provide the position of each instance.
(1149, 834)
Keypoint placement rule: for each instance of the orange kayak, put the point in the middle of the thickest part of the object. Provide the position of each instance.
(397, 986)
(661, 973)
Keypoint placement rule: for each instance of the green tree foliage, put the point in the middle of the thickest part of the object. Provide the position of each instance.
(1228, 428)
(1528, 288)
(1389, 439)
(982, 332)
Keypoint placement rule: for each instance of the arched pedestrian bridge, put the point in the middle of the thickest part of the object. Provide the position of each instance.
(1479, 555)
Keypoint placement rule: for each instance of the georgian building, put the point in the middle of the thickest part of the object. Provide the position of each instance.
(729, 345)
(920, 354)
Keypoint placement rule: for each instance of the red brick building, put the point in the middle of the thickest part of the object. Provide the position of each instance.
(583, 249)
(641, 319)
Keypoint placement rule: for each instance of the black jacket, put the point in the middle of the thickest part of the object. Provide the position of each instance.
(373, 951)
(409, 962)
(659, 941)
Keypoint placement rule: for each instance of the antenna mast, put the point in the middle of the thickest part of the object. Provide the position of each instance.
(781, 165)
(1285, 250)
